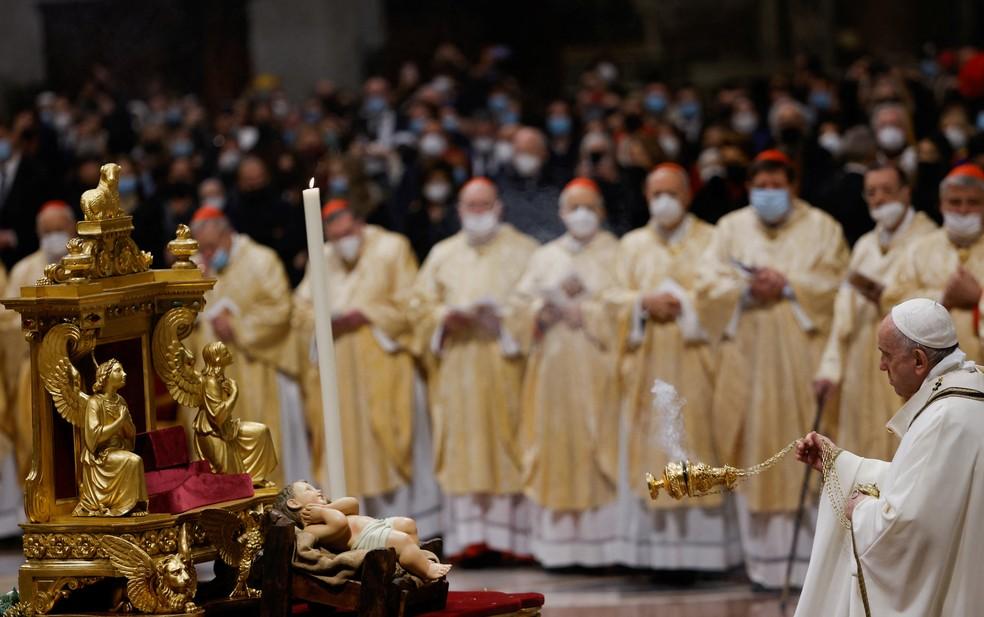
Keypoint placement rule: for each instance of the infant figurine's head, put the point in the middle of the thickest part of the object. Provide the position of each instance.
(293, 497)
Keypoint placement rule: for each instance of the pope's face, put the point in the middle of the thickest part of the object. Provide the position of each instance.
(906, 367)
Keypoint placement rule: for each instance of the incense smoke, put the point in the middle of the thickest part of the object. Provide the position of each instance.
(668, 405)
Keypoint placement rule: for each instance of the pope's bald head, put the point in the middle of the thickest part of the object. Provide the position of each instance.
(671, 179)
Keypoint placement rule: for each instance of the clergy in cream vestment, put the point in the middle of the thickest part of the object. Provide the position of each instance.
(569, 413)
(767, 285)
(661, 337)
(850, 360)
(948, 265)
(249, 309)
(460, 310)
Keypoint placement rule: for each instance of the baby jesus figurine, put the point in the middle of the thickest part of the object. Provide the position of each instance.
(338, 527)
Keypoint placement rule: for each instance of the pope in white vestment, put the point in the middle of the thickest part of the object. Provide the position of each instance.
(917, 544)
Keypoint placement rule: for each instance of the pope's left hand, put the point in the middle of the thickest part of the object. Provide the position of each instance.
(852, 502)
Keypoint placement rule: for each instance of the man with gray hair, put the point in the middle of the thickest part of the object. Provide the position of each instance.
(948, 265)
(904, 537)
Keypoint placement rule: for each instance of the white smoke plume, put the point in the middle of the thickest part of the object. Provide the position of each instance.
(668, 407)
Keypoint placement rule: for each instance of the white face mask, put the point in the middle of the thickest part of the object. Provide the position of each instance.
(962, 227)
(433, 145)
(582, 223)
(53, 245)
(348, 247)
(526, 164)
(479, 226)
(670, 145)
(666, 210)
(891, 138)
(503, 151)
(437, 191)
(744, 122)
(484, 144)
(956, 136)
(831, 142)
(889, 215)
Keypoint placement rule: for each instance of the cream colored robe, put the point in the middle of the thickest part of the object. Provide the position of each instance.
(254, 288)
(16, 362)
(851, 357)
(920, 542)
(569, 426)
(374, 367)
(676, 352)
(763, 397)
(474, 379)
(926, 266)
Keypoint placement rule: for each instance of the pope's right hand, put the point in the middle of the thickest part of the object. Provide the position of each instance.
(809, 449)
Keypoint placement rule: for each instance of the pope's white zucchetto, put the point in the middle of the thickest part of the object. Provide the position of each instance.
(926, 322)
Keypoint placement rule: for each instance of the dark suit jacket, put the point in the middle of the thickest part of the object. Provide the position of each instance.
(18, 211)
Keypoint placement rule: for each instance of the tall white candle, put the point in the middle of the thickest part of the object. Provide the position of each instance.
(332, 462)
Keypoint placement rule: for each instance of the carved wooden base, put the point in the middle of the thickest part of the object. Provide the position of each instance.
(64, 556)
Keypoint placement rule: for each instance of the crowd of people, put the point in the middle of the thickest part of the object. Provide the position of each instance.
(570, 258)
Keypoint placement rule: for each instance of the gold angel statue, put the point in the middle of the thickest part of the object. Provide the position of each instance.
(163, 585)
(229, 444)
(239, 544)
(112, 482)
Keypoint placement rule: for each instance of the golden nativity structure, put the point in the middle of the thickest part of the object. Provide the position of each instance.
(118, 513)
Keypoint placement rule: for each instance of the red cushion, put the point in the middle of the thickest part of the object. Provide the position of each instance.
(529, 600)
(173, 491)
(163, 448)
(477, 604)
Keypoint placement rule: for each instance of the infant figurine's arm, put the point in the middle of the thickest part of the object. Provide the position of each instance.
(328, 525)
(348, 506)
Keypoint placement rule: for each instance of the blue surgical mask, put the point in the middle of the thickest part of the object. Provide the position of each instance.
(559, 126)
(312, 116)
(820, 100)
(417, 125)
(5, 149)
(220, 259)
(498, 103)
(655, 103)
(182, 148)
(771, 205)
(508, 117)
(128, 185)
(375, 104)
(450, 124)
(338, 185)
(689, 109)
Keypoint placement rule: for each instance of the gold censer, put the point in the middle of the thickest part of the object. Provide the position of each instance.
(695, 479)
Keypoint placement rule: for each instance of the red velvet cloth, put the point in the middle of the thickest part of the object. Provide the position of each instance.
(485, 604)
(468, 604)
(163, 448)
(174, 485)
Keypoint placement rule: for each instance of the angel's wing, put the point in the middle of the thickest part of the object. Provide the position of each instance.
(173, 361)
(59, 376)
(138, 568)
(222, 529)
